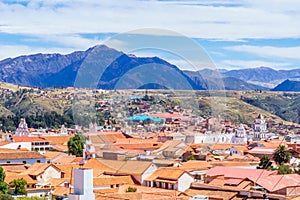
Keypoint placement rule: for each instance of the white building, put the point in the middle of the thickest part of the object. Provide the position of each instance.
(63, 130)
(170, 178)
(83, 185)
(89, 150)
(22, 129)
(260, 128)
(240, 136)
(213, 138)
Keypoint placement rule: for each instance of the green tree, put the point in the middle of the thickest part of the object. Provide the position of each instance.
(6, 197)
(3, 185)
(18, 186)
(191, 157)
(75, 145)
(131, 189)
(281, 155)
(265, 162)
(284, 169)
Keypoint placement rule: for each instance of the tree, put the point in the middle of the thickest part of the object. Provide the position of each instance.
(131, 189)
(281, 155)
(6, 197)
(75, 145)
(19, 186)
(284, 169)
(265, 162)
(3, 185)
(191, 157)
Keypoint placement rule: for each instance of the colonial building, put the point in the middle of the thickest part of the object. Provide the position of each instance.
(260, 128)
(22, 129)
(240, 135)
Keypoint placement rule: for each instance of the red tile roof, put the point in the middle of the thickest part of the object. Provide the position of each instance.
(239, 173)
(277, 182)
(28, 139)
(262, 151)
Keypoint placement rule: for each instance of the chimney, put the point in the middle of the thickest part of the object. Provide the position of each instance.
(83, 185)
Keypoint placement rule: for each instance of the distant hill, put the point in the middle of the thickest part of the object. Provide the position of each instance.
(212, 79)
(288, 85)
(260, 74)
(237, 84)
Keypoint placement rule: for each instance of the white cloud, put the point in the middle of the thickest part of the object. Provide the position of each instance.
(11, 51)
(240, 64)
(269, 51)
(252, 19)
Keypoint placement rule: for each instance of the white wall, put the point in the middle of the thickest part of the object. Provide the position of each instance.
(212, 138)
(151, 169)
(184, 182)
(28, 160)
(50, 172)
(15, 145)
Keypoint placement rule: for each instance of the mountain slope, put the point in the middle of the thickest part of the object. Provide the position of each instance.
(211, 79)
(261, 74)
(56, 70)
(288, 85)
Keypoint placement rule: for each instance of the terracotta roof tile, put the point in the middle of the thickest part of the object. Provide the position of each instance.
(235, 172)
(10, 176)
(50, 155)
(28, 139)
(277, 182)
(112, 180)
(170, 173)
(57, 139)
(13, 154)
(193, 165)
(64, 159)
(37, 169)
(129, 167)
(212, 193)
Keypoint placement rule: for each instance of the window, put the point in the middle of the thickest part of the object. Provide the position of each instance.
(38, 161)
(24, 162)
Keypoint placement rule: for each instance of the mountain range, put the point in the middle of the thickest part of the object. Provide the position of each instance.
(129, 72)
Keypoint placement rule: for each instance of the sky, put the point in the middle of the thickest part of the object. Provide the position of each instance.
(230, 34)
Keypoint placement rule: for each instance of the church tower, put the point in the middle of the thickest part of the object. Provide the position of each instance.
(260, 128)
(22, 129)
(240, 135)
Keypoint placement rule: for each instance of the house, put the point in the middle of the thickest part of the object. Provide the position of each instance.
(250, 183)
(37, 143)
(51, 156)
(287, 184)
(42, 173)
(196, 168)
(173, 149)
(16, 145)
(10, 176)
(228, 149)
(139, 170)
(236, 174)
(171, 178)
(20, 156)
(261, 151)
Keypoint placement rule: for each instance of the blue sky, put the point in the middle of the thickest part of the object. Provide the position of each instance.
(233, 34)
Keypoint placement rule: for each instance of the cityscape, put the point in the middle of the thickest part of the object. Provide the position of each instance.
(149, 100)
